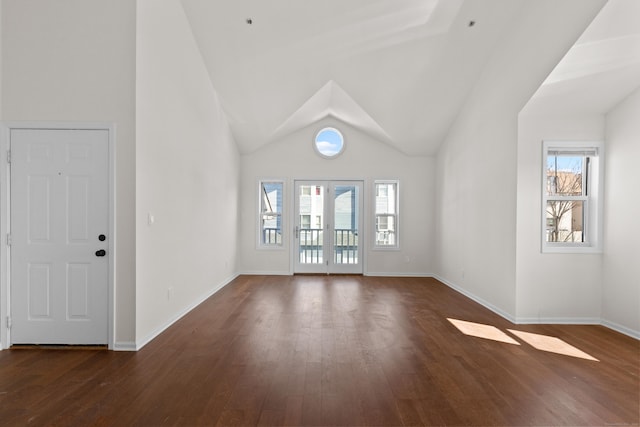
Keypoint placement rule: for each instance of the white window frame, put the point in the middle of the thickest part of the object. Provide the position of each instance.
(593, 200)
(396, 215)
(261, 244)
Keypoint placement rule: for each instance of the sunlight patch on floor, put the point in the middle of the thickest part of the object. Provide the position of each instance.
(482, 331)
(537, 341)
(551, 344)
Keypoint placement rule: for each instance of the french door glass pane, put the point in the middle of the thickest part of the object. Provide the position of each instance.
(346, 214)
(311, 235)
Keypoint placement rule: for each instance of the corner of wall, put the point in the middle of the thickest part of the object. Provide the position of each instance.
(620, 290)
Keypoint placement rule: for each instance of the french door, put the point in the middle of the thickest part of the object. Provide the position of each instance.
(328, 223)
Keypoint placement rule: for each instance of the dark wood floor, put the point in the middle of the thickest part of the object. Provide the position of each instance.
(339, 350)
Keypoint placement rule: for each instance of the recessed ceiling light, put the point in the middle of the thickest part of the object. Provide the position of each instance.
(472, 23)
(249, 21)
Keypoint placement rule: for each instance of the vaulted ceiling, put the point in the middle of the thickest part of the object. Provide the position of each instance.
(600, 70)
(398, 70)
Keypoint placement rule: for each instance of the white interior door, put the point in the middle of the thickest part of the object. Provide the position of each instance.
(328, 221)
(59, 223)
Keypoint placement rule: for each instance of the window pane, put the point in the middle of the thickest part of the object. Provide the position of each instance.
(386, 206)
(565, 175)
(385, 198)
(329, 142)
(311, 199)
(271, 213)
(565, 221)
(572, 174)
(385, 230)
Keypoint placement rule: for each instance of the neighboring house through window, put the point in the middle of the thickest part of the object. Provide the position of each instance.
(271, 204)
(572, 196)
(270, 216)
(386, 214)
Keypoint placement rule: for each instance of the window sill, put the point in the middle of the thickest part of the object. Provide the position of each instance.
(385, 248)
(270, 248)
(571, 250)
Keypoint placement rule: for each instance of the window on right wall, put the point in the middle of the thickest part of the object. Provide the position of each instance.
(386, 214)
(572, 202)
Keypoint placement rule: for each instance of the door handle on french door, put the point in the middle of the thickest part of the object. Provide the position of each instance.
(297, 231)
(101, 252)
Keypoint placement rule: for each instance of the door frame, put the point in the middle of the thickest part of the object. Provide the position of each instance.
(295, 220)
(5, 218)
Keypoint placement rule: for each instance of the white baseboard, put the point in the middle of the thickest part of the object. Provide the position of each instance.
(396, 274)
(124, 346)
(546, 320)
(622, 329)
(368, 273)
(477, 299)
(146, 340)
(558, 321)
(265, 273)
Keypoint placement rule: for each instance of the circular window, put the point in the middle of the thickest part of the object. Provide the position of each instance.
(329, 142)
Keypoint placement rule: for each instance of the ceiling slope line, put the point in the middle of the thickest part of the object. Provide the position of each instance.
(332, 101)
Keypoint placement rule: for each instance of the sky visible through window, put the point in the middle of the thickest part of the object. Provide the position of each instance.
(565, 163)
(329, 142)
(273, 197)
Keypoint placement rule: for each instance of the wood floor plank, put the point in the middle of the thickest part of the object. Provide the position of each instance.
(332, 350)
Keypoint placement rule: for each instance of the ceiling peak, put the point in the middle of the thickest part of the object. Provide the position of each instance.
(331, 100)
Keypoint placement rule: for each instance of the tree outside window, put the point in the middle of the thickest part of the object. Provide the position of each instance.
(572, 199)
(566, 197)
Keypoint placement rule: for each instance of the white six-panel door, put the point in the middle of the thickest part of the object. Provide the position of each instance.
(59, 225)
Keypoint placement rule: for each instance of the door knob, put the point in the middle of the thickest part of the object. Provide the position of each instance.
(101, 252)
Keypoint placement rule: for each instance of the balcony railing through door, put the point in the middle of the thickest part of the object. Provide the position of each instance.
(311, 244)
(345, 244)
(328, 218)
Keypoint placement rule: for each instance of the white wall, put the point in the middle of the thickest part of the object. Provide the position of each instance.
(74, 60)
(551, 288)
(476, 164)
(1, 26)
(621, 266)
(364, 159)
(187, 173)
